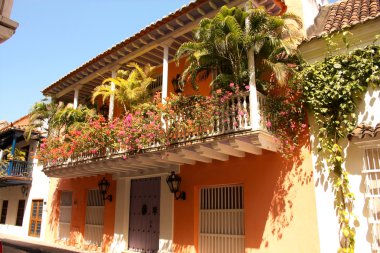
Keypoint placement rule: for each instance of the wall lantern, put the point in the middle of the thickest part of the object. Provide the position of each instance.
(177, 84)
(174, 181)
(104, 185)
(24, 190)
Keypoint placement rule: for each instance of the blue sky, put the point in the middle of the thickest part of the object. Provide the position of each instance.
(55, 37)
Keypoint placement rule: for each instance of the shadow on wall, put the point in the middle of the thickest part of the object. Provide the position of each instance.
(184, 248)
(54, 210)
(281, 207)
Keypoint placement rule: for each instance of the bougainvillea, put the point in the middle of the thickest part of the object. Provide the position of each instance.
(153, 125)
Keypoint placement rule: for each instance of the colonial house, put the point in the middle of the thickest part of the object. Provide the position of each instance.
(23, 185)
(361, 147)
(236, 192)
(7, 25)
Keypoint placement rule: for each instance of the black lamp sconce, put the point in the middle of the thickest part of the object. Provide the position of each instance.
(104, 185)
(177, 84)
(24, 190)
(174, 181)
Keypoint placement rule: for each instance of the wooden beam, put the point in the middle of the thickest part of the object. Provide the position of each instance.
(179, 22)
(211, 153)
(200, 11)
(188, 15)
(173, 156)
(227, 149)
(192, 155)
(246, 147)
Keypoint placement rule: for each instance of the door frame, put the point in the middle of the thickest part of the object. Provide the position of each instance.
(38, 220)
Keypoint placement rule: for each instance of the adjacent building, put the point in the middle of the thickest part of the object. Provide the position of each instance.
(7, 25)
(23, 185)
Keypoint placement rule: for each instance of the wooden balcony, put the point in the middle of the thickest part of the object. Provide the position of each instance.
(229, 134)
(16, 173)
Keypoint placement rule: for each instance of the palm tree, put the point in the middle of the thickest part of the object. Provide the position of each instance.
(219, 45)
(131, 86)
(48, 116)
(273, 40)
(223, 42)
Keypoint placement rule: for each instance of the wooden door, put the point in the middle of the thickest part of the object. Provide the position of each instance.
(36, 218)
(144, 215)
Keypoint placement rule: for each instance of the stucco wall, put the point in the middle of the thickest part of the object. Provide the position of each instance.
(327, 220)
(279, 201)
(37, 190)
(79, 188)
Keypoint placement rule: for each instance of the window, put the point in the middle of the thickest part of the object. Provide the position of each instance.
(222, 219)
(372, 193)
(65, 216)
(36, 218)
(4, 211)
(20, 212)
(93, 232)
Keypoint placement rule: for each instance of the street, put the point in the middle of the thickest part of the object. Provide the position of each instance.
(12, 246)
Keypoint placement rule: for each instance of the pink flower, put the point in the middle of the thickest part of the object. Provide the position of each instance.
(303, 125)
(232, 85)
(268, 124)
(247, 87)
(218, 91)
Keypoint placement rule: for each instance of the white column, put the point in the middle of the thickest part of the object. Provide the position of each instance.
(1, 155)
(112, 97)
(254, 113)
(76, 96)
(165, 72)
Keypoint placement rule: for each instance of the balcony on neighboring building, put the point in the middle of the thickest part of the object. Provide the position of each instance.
(7, 25)
(15, 167)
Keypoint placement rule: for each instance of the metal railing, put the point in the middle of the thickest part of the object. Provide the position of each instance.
(17, 169)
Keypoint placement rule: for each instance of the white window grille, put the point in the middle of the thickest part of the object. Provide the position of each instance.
(222, 219)
(93, 231)
(372, 193)
(65, 216)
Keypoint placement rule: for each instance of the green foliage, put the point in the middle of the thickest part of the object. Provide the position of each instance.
(332, 89)
(54, 118)
(221, 45)
(131, 86)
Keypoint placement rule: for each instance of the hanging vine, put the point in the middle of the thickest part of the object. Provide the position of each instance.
(331, 90)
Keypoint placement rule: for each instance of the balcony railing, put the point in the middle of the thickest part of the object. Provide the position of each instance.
(231, 117)
(17, 169)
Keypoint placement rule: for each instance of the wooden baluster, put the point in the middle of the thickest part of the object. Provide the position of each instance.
(246, 112)
(234, 123)
(228, 115)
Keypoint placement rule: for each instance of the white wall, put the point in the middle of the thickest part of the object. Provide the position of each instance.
(37, 190)
(122, 216)
(368, 110)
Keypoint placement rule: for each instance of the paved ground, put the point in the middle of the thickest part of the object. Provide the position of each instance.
(13, 244)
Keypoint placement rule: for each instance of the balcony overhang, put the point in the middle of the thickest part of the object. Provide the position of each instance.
(163, 160)
(145, 47)
(14, 181)
(7, 28)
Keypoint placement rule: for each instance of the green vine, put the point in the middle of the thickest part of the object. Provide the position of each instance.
(331, 90)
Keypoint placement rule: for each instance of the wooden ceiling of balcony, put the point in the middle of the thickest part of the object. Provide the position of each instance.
(145, 46)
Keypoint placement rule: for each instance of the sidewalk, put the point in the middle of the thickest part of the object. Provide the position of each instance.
(36, 243)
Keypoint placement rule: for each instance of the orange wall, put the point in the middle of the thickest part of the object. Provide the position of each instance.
(79, 187)
(280, 212)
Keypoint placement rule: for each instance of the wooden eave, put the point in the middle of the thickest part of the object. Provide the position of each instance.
(145, 46)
